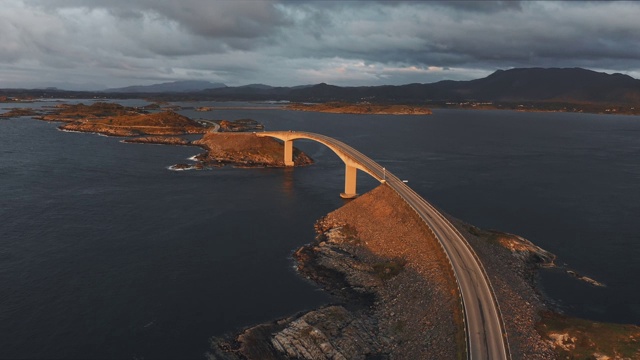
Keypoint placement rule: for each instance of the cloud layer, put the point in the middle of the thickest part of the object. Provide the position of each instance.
(89, 43)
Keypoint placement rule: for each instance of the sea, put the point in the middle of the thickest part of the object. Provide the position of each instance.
(106, 253)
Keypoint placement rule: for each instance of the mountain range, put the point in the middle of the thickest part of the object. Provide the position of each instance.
(174, 86)
(566, 85)
(539, 85)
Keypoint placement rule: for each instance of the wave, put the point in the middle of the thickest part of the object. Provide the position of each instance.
(181, 167)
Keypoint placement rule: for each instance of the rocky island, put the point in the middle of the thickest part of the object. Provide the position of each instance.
(162, 123)
(364, 108)
(227, 142)
(396, 297)
(246, 150)
(18, 112)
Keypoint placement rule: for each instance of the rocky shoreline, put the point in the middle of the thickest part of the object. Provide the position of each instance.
(225, 142)
(395, 295)
(158, 140)
(246, 150)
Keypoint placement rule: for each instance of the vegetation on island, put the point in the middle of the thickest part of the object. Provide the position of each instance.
(365, 108)
(162, 123)
(78, 112)
(574, 338)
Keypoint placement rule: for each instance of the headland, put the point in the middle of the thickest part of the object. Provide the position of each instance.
(395, 295)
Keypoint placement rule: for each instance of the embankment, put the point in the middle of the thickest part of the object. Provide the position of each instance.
(396, 294)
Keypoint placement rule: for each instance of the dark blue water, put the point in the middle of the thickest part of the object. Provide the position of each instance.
(104, 253)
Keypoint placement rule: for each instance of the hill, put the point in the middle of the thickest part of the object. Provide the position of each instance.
(170, 87)
(564, 89)
(566, 85)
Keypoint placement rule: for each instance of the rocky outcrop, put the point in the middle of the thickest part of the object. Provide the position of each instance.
(17, 112)
(164, 140)
(519, 247)
(397, 296)
(511, 263)
(573, 338)
(77, 112)
(246, 150)
(163, 123)
(240, 125)
(329, 333)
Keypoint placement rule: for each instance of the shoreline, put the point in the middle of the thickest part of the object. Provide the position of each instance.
(470, 230)
(369, 273)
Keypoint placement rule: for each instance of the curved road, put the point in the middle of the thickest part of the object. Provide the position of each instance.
(486, 338)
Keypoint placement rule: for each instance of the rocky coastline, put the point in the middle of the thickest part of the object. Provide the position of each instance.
(162, 123)
(158, 140)
(225, 142)
(245, 150)
(395, 296)
(18, 112)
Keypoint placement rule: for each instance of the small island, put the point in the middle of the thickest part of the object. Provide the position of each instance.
(18, 112)
(227, 142)
(363, 108)
(245, 150)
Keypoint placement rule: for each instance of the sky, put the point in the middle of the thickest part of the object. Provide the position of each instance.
(97, 44)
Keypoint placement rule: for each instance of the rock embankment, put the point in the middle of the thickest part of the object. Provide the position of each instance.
(246, 149)
(397, 295)
(511, 263)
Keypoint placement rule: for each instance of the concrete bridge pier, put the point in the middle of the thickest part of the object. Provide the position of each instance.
(350, 173)
(351, 166)
(288, 153)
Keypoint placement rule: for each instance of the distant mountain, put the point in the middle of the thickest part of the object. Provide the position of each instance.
(533, 84)
(562, 85)
(539, 85)
(170, 87)
(569, 85)
(258, 86)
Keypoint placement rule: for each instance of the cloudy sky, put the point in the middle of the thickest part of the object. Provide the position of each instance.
(113, 43)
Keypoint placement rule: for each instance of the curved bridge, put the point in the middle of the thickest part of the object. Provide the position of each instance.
(343, 151)
(485, 333)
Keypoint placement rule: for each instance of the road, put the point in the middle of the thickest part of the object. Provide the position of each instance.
(485, 334)
(215, 125)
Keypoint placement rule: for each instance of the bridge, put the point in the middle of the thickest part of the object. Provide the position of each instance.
(342, 150)
(486, 336)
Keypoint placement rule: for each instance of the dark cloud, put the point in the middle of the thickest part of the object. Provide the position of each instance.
(299, 42)
(227, 19)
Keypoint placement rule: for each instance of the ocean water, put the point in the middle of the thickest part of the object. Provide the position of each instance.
(105, 253)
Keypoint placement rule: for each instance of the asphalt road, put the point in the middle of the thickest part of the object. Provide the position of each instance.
(485, 336)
